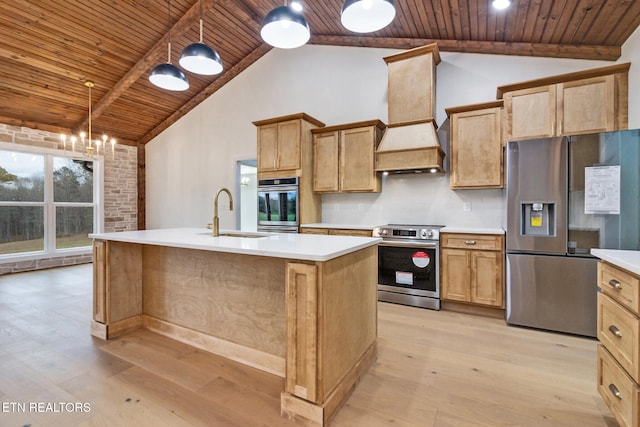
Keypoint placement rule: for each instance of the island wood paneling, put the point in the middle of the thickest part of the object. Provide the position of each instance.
(238, 298)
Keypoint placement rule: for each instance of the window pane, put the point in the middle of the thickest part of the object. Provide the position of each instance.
(21, 229)
(21, 177)
(72, 180)
(73, 224)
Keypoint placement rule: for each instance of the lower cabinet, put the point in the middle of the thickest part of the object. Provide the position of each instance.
(472, 268)
(619, 349)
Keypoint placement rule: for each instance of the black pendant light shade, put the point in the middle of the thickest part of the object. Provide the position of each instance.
(285, 28)
(200, 58)
(168, 76)
(366, 16)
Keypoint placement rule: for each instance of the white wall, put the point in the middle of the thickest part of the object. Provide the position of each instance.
(188, 162)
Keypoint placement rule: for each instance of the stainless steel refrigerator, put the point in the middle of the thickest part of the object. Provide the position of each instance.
(565, 196)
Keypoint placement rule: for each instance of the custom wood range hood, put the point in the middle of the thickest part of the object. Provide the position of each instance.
(410, 143)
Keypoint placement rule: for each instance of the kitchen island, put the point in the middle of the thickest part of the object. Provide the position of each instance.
(299, 306)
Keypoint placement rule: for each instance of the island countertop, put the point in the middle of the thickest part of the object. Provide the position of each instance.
(279, 245)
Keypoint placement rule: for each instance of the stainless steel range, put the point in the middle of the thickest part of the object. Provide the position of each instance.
(409, 264)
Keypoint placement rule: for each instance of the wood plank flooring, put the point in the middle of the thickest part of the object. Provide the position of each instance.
(433, 369)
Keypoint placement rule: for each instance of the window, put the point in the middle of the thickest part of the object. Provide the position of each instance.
(48, 203)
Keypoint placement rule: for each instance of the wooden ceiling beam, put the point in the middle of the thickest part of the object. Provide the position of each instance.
(225, 78)
(153, 56)
(600, 53)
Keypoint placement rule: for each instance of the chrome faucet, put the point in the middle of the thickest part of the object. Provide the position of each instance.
(216, 220)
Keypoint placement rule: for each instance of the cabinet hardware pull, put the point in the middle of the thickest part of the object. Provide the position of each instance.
(615, 284)
(469, 242)
(615, 331)
(614, 390)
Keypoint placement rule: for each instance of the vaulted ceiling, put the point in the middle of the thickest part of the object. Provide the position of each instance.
(49, 48)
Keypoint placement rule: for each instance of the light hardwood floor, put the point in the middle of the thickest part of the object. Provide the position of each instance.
(433, 369)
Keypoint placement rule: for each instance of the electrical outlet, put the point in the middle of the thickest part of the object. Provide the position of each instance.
(466, 206)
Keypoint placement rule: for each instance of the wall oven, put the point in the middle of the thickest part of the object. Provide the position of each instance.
(409, 265)
(278, 205)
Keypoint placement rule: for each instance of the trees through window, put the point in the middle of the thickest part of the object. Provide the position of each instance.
(47, 203)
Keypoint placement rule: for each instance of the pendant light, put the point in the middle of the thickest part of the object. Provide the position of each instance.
(168, 76)
(286, 28)
(366, 16)
(501, 4)
(200, 58)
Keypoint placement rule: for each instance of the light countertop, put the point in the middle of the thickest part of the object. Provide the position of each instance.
(309, 247)
(472, 230)
(629, 260)
(339, 226)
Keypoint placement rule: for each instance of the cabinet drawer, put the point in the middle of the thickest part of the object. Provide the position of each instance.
(350, 232)
(313, 230)
(618, 330)
(620, 285)
(617, 389)
(472, 241)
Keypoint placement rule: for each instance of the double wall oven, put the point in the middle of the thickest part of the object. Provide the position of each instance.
(278, 205)
(409, 265)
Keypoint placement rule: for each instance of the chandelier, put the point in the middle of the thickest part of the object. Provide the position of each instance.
(91, 147)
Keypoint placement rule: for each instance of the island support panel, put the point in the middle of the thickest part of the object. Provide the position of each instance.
(331, 332)
(117, 288)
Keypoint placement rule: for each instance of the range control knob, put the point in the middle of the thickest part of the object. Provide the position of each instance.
(424, 233)
(384, 232)
(427, 233)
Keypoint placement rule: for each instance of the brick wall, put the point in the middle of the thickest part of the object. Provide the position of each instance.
(120, 192)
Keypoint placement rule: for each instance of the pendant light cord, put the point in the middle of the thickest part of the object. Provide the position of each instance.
(201, 21)
(169, 28)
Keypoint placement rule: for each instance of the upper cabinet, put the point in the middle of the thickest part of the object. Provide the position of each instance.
(283, 143)
(570, 104)
(476, 146)
(344, 157)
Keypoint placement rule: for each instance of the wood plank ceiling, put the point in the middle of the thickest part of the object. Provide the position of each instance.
(49, 48)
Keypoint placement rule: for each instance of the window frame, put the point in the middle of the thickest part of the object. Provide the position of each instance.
(49, 205)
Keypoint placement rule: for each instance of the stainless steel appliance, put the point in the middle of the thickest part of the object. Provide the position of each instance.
(278, 205)
(409, 264)
(565, 196)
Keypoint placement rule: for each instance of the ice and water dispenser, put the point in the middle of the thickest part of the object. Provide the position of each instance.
(538, 219)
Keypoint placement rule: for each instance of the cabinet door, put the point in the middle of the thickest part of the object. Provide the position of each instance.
(476, 149)
(586, 106)
(325, 162)
(455, 275)
(531, 113)
(267, 147)
(486, 278)
(289, 145)
(356, 160)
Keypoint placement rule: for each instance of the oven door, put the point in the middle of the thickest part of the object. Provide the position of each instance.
(409, 267)
(278, 207)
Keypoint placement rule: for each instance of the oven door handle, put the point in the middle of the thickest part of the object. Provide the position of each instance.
(409, 244)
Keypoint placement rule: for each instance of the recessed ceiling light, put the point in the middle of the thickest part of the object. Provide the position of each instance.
(296, 6)
(501, 4)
